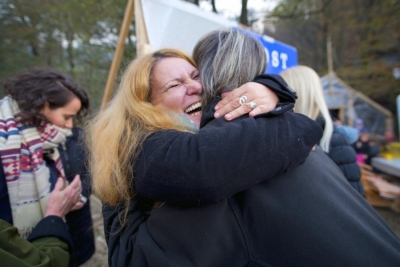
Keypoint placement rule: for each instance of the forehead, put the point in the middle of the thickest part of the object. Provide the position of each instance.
(171, 66)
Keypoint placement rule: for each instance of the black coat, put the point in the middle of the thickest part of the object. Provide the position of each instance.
(344, 155)
(79, 222)
(281, 143)
(310, 217)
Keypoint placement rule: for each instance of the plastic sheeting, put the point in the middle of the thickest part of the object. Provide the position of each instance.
(356, 105)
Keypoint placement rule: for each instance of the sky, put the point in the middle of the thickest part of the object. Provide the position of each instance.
(232, 8)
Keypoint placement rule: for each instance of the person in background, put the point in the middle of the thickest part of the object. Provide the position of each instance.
(307, 84)
(37, 146)
(49, 244)
(359, 126)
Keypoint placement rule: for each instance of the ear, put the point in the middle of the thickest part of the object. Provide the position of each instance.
(46, 108)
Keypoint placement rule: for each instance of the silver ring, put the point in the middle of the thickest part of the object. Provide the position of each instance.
(252, 105)
(242, 99)
(83, 198)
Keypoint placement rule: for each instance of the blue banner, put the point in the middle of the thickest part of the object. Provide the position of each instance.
(280, 56)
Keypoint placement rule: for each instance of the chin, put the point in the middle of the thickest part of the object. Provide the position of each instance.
(196, 119)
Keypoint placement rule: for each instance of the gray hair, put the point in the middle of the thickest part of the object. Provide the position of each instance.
(227, 59)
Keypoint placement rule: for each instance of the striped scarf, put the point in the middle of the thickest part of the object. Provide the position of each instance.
(27, 176)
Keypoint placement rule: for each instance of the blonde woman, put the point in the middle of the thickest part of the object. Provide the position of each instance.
(143, 146)
(300, 212)
(307, 84)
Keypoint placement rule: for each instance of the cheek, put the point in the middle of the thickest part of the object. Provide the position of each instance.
(170, 100)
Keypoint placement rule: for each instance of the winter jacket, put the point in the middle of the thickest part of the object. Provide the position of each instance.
(344, 155)
(79, 222)
(281, 143)
(308, 217)
(47, 245)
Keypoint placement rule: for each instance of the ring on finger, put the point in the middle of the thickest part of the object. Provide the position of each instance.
(83, 198)
(242, 99)
(253, 105)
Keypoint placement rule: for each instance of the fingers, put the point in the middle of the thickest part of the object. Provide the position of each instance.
(265, 100)
(76, 184)
(240, 111)
(78, 205)
(227, 106)
(59, 184)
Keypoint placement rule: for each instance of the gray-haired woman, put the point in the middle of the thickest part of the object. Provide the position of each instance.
(290, 220)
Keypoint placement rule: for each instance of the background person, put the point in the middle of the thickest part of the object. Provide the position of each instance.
(37, 147)
(49, 244)
(307, 84)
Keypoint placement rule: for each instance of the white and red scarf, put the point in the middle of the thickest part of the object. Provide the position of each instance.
(27, 176)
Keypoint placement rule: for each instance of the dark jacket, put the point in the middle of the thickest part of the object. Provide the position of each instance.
(47, 245)
(79, 222)
(309, 217)
(279, 143)
(344, 155)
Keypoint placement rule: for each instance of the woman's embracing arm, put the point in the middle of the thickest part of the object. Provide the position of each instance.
(223, 158)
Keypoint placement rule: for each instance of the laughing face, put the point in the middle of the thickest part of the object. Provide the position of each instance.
(176, 87)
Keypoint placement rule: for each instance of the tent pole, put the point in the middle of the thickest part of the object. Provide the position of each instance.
(330, 63)
(124, 31)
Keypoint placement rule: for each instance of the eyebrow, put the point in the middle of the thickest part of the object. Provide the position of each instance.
(174, 79)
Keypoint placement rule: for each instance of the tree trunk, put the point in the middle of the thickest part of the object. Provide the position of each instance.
(214, 9)
(243, 15)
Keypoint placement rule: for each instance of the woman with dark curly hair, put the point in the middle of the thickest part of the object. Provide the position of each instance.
(38, 144)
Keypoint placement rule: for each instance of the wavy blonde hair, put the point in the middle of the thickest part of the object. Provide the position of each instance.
(115, 134)
(307, 84)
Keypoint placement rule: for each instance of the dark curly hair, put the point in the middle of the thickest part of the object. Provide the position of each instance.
(34, 88)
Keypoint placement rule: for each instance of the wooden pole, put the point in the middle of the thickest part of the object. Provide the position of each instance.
(330, 63)
(118, 53)
(142, 41)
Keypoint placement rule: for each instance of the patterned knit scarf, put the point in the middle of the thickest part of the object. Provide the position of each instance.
(27, 176)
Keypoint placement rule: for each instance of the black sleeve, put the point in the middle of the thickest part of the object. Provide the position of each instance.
(277, 84)
(121, 239)
(51, 226)
(188, 169)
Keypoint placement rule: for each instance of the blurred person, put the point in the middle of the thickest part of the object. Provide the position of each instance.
(50, 243)
(359, 125)
(258, 226)
(307, 84)
(365, 148)
(37, 145)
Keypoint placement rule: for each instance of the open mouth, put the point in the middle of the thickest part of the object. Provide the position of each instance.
(194, 109)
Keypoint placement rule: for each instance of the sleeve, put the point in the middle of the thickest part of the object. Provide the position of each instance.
(43, 251)
(277, 84)
(192, 169)
(121, 239)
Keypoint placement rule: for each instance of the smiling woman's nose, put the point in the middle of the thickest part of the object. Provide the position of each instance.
(194, 87)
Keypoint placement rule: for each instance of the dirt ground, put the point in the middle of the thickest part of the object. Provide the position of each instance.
(99, 259)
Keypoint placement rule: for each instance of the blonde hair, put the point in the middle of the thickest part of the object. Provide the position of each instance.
(116, 133)
(307, 84)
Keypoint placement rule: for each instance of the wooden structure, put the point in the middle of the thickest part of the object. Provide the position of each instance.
(142, 42)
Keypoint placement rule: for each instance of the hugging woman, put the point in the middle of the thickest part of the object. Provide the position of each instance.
(221, 206)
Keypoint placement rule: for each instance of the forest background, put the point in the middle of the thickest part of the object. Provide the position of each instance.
(79, 37)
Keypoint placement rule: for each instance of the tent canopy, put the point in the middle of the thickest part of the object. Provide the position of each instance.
(354, 105)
